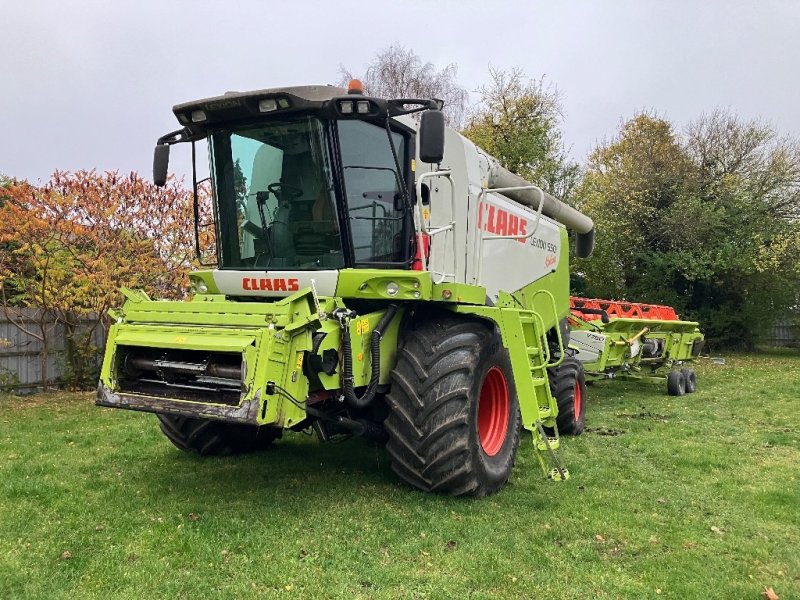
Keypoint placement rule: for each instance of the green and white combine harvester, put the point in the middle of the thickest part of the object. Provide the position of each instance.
(376, 275)
(633, 341)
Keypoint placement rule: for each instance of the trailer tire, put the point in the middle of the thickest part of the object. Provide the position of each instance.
(691, 380)
(568, 386)
(454, 421)
(676, 383)
(207, 437)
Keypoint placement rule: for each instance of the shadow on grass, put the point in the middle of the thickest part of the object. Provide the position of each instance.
(299, 474)
(296, 472)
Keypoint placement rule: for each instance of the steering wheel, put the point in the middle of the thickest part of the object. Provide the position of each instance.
(284, 191)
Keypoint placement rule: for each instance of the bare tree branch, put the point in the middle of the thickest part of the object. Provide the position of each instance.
(397, 72)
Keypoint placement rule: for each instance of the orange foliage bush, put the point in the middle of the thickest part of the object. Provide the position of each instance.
(68, 246)
(84, 235)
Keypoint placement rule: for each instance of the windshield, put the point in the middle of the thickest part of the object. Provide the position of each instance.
(276, 203)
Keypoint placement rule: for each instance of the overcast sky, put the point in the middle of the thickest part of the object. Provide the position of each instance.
(90, 84)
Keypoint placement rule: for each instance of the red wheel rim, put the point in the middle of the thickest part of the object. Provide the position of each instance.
(493, 409)
(576, 400)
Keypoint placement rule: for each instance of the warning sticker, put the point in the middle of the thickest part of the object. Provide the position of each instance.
(362, 326)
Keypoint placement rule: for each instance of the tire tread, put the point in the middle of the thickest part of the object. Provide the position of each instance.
(562, 386)
(429, 420)
(206, 437)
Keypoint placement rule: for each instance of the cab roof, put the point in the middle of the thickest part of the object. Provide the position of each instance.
(238, 105)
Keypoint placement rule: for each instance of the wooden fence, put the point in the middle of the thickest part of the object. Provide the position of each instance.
(20, 353)
(783, 334)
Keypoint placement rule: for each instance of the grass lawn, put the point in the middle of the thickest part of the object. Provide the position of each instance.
(692, 497)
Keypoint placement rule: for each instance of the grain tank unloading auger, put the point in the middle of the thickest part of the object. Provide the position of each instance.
(373, 280)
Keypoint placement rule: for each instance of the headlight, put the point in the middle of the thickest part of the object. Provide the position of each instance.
(267, 105)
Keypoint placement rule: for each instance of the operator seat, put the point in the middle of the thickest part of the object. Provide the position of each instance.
(311, 217)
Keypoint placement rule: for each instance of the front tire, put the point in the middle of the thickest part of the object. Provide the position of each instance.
(215, 438)
(454, 415)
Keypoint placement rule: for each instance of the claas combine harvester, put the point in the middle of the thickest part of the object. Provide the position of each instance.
(377, 275)
(634, 341)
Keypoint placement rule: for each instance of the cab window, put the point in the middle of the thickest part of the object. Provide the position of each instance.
(373, 192)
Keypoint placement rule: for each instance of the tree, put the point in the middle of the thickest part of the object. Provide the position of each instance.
(75, 241)
(397, 72)
(702, 222)
(5, 183)
(518, 122)
(628, 182)
(35, 272)
(753, 174)
(764, 165)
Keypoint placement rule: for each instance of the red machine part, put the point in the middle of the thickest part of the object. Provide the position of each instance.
(416, 265)
(623, 310)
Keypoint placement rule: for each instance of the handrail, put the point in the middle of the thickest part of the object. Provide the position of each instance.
(527, 236)
(423, 229)
(561, 349)
(545, 348)
(481, 237)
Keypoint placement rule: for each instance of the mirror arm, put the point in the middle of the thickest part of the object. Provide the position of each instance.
(176, 137)
(397, 106)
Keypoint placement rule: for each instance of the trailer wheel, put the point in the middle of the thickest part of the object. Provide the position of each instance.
(568, 386)
(691, 380)
(454, 415)
(215, 438)
(676, 383)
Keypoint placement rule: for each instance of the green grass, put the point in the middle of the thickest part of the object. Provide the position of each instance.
(693, 497)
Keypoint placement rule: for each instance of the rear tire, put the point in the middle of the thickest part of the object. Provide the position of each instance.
(691, 380)
(215, 438)
(454, 415)
(676, 383)
(568, 386)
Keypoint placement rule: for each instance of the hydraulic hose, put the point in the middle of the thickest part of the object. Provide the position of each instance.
(375, 352)
(354, 426)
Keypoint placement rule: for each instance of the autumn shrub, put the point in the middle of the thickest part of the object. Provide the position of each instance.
(71, 244)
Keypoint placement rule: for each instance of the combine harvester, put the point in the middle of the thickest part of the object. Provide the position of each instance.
(376, 276)
(628, 340)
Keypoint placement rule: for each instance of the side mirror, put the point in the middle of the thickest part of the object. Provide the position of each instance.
(431, 136)
(160, 164)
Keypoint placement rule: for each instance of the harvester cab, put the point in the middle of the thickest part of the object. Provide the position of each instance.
(376, 275)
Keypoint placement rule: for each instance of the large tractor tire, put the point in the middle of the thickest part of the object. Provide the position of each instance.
(568, 386)
(454, 415)
(215, 438)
